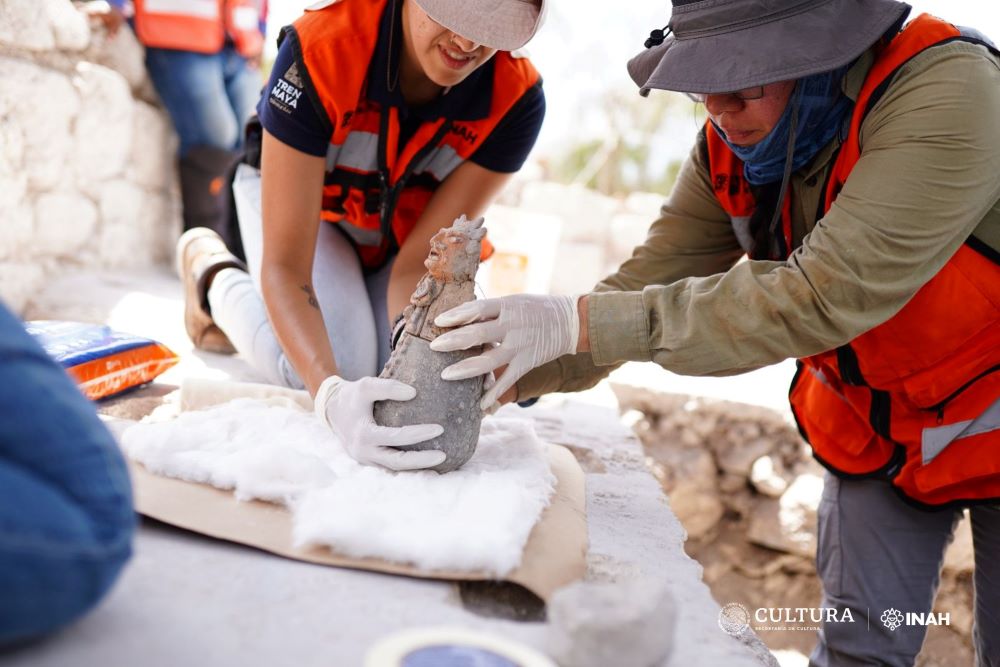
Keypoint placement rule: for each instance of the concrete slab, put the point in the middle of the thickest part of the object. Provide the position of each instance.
(187, 599)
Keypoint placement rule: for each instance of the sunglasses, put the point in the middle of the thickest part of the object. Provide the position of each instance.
(754, 93)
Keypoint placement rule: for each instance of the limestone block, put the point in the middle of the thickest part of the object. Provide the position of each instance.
(958, 558)
(19, 282)
(596, 624)
(586, 214)
(64, 222)
(739, 457)
(69, 26)
(789, 524)
(765, 475)
(42, 103)
(13, 179)
(151, 158)
(18, 229)
(122, 53)
(127, 225)
(578, 267)
(24, 24)
(103, 132)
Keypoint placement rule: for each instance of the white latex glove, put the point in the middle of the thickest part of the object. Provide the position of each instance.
(528, 329)
(346, 407)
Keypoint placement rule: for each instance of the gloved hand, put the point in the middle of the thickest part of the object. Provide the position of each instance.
(529, 330)
(346, 407)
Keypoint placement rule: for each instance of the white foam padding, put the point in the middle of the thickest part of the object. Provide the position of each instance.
(475, 519)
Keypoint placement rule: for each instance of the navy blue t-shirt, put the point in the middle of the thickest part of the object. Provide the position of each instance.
(293, 114)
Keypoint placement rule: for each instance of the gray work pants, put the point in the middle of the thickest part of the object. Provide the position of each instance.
(876, 552)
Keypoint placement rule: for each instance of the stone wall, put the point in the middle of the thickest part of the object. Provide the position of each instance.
(87, 175)
(746, 489)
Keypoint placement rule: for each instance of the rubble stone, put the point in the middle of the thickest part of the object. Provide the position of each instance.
(959, 557)
(738, 458)
(594, 624)
(765, 477)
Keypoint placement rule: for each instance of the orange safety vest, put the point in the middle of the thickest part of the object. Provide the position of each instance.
(375, 189)
(200, 25)
(915, 400)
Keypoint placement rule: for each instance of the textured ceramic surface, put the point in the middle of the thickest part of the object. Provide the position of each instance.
(449, 281)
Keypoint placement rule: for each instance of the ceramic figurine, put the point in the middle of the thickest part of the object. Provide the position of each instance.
(449, 282)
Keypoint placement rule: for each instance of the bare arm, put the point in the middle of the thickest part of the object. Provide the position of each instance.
(292, 186)
(469, 190)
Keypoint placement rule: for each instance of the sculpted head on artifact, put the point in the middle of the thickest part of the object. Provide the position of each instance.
(454, 255)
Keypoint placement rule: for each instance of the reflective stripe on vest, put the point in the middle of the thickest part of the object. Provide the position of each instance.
(915, 399)
(383, 188)
(200, 26)
(934, 439)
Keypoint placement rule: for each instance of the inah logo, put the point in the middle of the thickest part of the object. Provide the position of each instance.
(293, 77)
(734, 619)
(892, 618)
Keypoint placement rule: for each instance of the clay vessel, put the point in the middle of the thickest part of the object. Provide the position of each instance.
(449, 281)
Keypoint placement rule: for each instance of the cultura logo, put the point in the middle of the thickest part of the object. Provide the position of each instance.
(892, 618)
(734, 619)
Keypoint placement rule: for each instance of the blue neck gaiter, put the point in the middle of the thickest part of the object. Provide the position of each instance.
(822, 109)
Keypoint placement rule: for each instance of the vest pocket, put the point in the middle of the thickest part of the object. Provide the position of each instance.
(954, 451)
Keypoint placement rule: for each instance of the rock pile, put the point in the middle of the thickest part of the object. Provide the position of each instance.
(746, 488)
(87, 175)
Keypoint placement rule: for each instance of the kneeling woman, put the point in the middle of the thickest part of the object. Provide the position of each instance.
(382, 122)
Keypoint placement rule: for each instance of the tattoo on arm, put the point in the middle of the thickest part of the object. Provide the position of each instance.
(312, 295)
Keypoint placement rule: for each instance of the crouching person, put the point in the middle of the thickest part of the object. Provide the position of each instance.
(66, 519)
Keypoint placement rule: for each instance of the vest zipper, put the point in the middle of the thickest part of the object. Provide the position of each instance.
(389, 194)
(940, 406)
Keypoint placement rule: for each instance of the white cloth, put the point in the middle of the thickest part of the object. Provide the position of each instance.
(476, 518)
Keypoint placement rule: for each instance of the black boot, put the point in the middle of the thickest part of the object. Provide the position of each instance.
(206, 179)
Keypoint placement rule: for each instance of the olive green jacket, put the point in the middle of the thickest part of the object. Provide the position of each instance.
(928, 177)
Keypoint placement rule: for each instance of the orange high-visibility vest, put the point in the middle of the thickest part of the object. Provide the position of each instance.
(200, 25)
(915, 400)
(375, 189)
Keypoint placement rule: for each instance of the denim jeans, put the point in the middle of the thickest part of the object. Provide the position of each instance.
(66, 519)
(209, 96)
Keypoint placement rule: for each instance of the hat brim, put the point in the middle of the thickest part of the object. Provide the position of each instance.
(823, 38)
(505, 26)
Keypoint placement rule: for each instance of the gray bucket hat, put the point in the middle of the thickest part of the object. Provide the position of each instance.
(719, 46)
(506, 25)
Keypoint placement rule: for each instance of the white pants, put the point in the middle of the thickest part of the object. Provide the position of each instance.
(353, 304)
